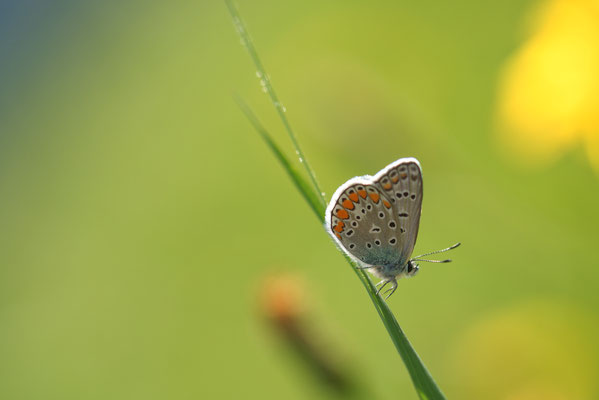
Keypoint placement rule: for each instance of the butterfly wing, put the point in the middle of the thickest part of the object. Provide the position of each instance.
(361, 219)
(401, 182)
(375, 219)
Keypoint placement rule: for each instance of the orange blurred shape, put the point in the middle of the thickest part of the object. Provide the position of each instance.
(283, 303)
(549, 91)
(282, 297)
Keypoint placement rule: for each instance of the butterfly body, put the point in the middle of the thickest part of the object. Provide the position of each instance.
(375, 219)
(394, 271)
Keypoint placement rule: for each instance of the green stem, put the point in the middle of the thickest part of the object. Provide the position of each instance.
(267, 87)
(300, 183)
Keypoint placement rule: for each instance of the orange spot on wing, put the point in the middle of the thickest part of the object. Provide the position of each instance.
(387, 186)
(403, 175)
(354, 197)
(375, 197)
(348, 204)
(362, 193)
(395, 179)
(338, 235)
(342, 214)
(386, 203)
(339, 227)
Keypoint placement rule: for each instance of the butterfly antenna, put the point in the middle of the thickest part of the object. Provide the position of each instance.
(435, 252)
(434, 261)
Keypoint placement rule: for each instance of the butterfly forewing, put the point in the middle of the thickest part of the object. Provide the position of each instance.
(361, 217)
(401, 181)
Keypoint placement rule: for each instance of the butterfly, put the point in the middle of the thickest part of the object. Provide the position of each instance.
(375, 219)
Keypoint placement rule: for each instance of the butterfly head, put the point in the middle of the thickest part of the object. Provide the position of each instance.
(412, 268)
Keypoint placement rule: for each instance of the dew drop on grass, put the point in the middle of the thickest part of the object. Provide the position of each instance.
(280, 106)
(263, 84)
(238, 25)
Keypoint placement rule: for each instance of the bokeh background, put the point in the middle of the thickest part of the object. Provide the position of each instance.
(151, 247)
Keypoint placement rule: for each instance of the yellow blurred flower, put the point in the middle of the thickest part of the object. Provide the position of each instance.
(531, 351)
(549, 91)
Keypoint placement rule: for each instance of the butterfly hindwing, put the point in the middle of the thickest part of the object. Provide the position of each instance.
(401, 181)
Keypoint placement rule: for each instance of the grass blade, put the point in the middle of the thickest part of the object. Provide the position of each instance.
(425, 385)
(267, 86)
(300, 183)
(423, 381)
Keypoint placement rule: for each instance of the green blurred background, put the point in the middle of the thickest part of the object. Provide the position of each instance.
(142, 218)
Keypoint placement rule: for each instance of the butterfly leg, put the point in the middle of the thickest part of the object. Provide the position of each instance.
(384, 283)
(392, 289)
